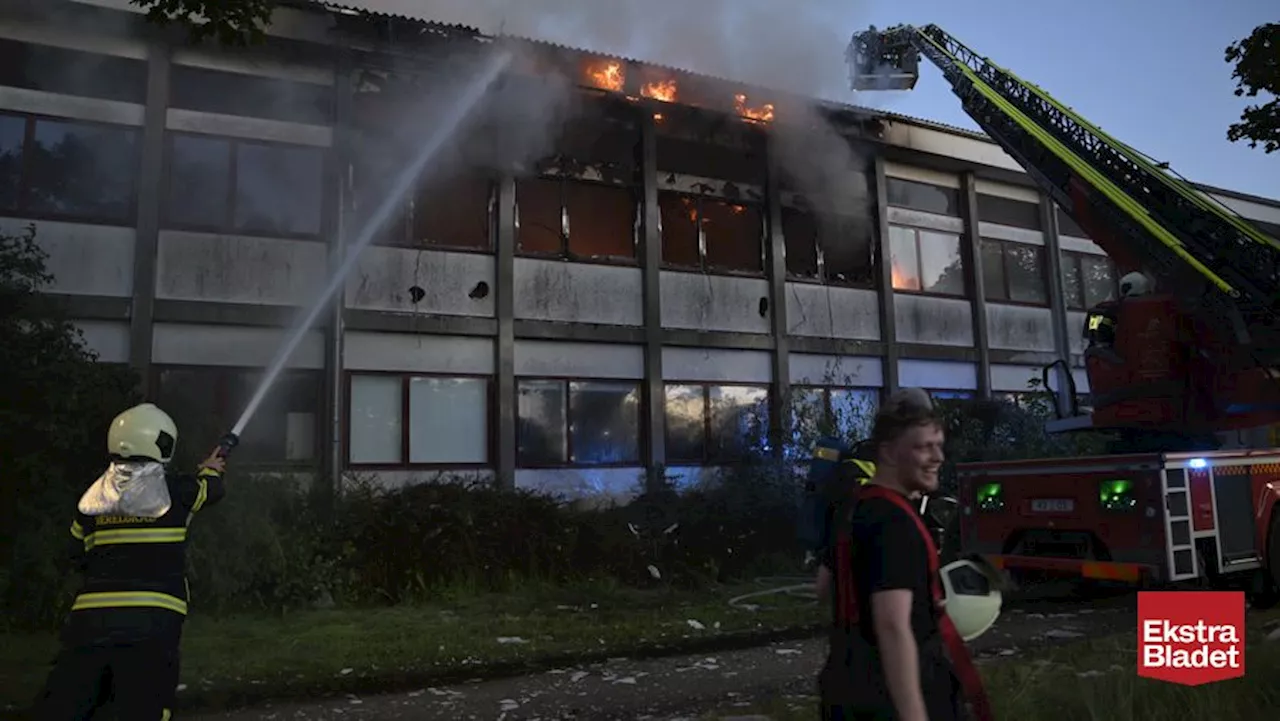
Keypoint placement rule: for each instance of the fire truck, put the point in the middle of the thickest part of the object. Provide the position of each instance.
(1183, 367)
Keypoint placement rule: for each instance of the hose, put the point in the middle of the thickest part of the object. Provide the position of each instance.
(795, 586)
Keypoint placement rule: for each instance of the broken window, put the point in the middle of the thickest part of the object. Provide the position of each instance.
(1007, 211)
(711, 234)
(733, 236)
(602, 220)
(68, 169)
(72, 72)
(576, 218)
(680, 244)
(847, 245)
(204, 402)
(453, 211)
(922, 196)
(800, 233)
(236, 186)
(926, 261)
(219, 91)
(1013, 272)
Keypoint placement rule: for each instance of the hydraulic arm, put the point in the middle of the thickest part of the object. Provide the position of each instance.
(1220, 273)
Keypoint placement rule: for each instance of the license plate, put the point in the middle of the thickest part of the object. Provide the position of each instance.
(1053, 505)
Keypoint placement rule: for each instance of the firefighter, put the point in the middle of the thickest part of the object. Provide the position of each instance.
(120, 641)
(897, 644)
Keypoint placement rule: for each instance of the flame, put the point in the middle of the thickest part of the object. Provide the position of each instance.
(664, 90)
(738, 209)
(607, 75)
(657, 117)
(762, 114)
(901, 279)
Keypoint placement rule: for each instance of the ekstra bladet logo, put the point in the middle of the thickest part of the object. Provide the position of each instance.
(1191, 637)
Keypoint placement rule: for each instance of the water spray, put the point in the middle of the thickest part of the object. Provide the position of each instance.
(447, 126)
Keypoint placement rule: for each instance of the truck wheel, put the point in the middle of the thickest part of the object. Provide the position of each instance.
(1265, 592)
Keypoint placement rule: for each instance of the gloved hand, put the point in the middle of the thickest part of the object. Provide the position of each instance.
(215, 462)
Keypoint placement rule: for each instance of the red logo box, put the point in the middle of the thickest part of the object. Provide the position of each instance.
(1191, 637)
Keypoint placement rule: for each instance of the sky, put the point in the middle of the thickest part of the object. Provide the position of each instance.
(1149, 72)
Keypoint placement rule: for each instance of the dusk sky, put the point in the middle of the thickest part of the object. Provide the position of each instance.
(1149, 72)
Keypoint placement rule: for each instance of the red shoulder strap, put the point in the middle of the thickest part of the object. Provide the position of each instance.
(966, 672)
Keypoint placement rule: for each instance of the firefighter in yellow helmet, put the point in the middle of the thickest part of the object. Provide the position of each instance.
(129, 537)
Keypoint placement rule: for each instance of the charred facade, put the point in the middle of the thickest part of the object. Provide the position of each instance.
(617, 267)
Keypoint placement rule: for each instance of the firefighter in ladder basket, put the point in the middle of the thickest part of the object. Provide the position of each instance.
(120, 642)
(897, 647)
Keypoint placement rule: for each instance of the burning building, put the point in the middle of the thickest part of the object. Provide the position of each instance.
(617, 267)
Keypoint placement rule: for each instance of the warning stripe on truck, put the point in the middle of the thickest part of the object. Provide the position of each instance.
(1096, 570)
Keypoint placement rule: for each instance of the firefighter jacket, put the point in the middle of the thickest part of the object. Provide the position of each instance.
(134, 569)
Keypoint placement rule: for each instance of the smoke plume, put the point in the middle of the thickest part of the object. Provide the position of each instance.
(797, 47)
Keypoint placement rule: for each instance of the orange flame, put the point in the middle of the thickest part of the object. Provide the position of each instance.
(657, 117)
(664, 90)
(762, 114)
(902, 280)
(607, 75)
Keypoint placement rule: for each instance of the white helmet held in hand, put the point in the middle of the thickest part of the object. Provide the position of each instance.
(143, 431)
(1135, 284)
(974, 599)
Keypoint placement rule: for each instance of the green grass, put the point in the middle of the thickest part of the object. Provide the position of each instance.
(1096, 680)
(237, 660)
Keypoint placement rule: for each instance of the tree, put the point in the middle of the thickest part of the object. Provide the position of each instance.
(1257, 60)
(230, 22)
(56, 402)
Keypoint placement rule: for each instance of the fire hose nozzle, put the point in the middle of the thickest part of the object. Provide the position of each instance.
(226, 443)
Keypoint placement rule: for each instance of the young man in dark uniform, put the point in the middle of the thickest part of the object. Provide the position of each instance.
(129, 535)
(891, 664)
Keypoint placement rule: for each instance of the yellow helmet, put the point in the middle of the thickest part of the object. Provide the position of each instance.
(143, 431)
(973, 595)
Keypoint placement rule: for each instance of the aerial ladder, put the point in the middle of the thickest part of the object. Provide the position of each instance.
(1188, 353)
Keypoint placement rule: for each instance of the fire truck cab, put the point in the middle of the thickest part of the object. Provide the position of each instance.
(1145, 519)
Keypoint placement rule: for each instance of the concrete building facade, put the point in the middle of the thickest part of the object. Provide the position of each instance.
(655, 287)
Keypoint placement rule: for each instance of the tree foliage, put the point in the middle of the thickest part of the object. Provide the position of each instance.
(1257, 61)
(56, 402)
(229, 22)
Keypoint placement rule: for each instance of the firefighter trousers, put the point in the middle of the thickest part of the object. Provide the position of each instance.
(138, 681)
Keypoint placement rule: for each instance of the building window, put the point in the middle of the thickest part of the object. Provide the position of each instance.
(577, 423)
(205, 402)
(709, 424)
(1088, 280)
(451, 212)
(831, 249)
(223, 185)
(1007, 211)
(709, 234)
(228, 93)
(415, 421)
(72, 72)
(946, 394)
(1013, 272)
(575, 219)
(926, 261)
(1067, 226)
(922, 196)
(68, 170)
(847, 413)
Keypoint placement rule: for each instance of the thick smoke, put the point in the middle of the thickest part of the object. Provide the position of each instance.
(798, 48)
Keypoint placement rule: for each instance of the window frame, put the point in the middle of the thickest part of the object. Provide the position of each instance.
(828, 412)
(703, 267)
(1073, 259)
(228, 225)
(222, 394)
(822, 277)
(708, 460)
(28, 139)
(953, 195)
(1004, 273)
(406, 379)
(408, 214)
(642, 445)
(964, 262)
(637, 209)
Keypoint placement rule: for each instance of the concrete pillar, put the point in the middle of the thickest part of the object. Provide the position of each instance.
(654, 391)
(775, 255)
(888, 325)
(971, 252)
